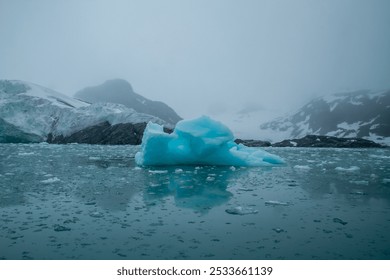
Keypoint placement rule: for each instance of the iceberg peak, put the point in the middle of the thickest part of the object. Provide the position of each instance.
(200, 141)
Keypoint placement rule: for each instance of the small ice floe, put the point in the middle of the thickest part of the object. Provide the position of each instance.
(275, 202)
(61, 228)
(278, 230)
(239, 210)
(361, 182)
(158, 171)
(137, 168)
(210, 178)
(348, 169)
(246, 189)
(94, 158)
(232, 168)
(358, 192)
(381, 157)
(178, 170)
(51, 180)
(26, 154)
(302, 167)
(96, 214)
(339, 221)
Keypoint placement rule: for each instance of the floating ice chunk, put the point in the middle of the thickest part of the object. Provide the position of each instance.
(94, 158)
(178, 170)
(239, 210)
(278, 230)
(60, 228)
(275, 202)
(358, 192)
(96, 214)
(210, 178)
(350, 169)
(302, 167)
(51, 180)
(200, 141)
(361, 182)
(26, 154)
(158, 171)
(339, 221)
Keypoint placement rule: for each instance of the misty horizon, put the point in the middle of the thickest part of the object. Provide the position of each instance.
(205, 57)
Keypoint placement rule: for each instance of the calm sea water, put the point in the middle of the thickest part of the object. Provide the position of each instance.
(92, 202)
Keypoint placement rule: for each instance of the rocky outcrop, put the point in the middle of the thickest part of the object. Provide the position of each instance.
(105, 134)
(253, 143)
(317, 141)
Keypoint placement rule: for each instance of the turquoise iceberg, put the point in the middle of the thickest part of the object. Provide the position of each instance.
(201, 141)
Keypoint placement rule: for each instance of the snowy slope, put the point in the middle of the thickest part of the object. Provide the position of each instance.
(363, 114)
(36, 110)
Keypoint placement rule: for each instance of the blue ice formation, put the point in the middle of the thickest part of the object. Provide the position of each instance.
(201, 141)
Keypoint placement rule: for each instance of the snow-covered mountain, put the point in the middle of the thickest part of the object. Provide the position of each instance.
(121, 92)
(30, 113)
(363, 114)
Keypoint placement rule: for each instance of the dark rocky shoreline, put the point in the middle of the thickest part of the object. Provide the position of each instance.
(315, 141)
(105, 134)
(131, 134)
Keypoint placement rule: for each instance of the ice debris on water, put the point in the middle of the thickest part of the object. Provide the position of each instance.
(275, 202)
(359, 182)
(26, 154)
(96, 214)
(51, 180)
(61, 228)
(358, 192)
(349, 169)
(239, 210)
(210, 178)
(302, 167)
(339, 221)
(158, 171)
(199, 141)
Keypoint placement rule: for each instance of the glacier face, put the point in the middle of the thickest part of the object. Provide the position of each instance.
(33, 112)
(200, 141)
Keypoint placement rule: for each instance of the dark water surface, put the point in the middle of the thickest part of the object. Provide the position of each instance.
(92, 202)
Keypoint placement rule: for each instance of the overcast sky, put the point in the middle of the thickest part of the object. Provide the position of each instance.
(203, 56)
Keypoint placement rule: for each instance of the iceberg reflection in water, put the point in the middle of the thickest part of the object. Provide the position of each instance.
(93, 202)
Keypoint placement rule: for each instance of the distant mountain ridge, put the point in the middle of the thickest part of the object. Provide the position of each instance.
(362, 114)
(121, 92)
